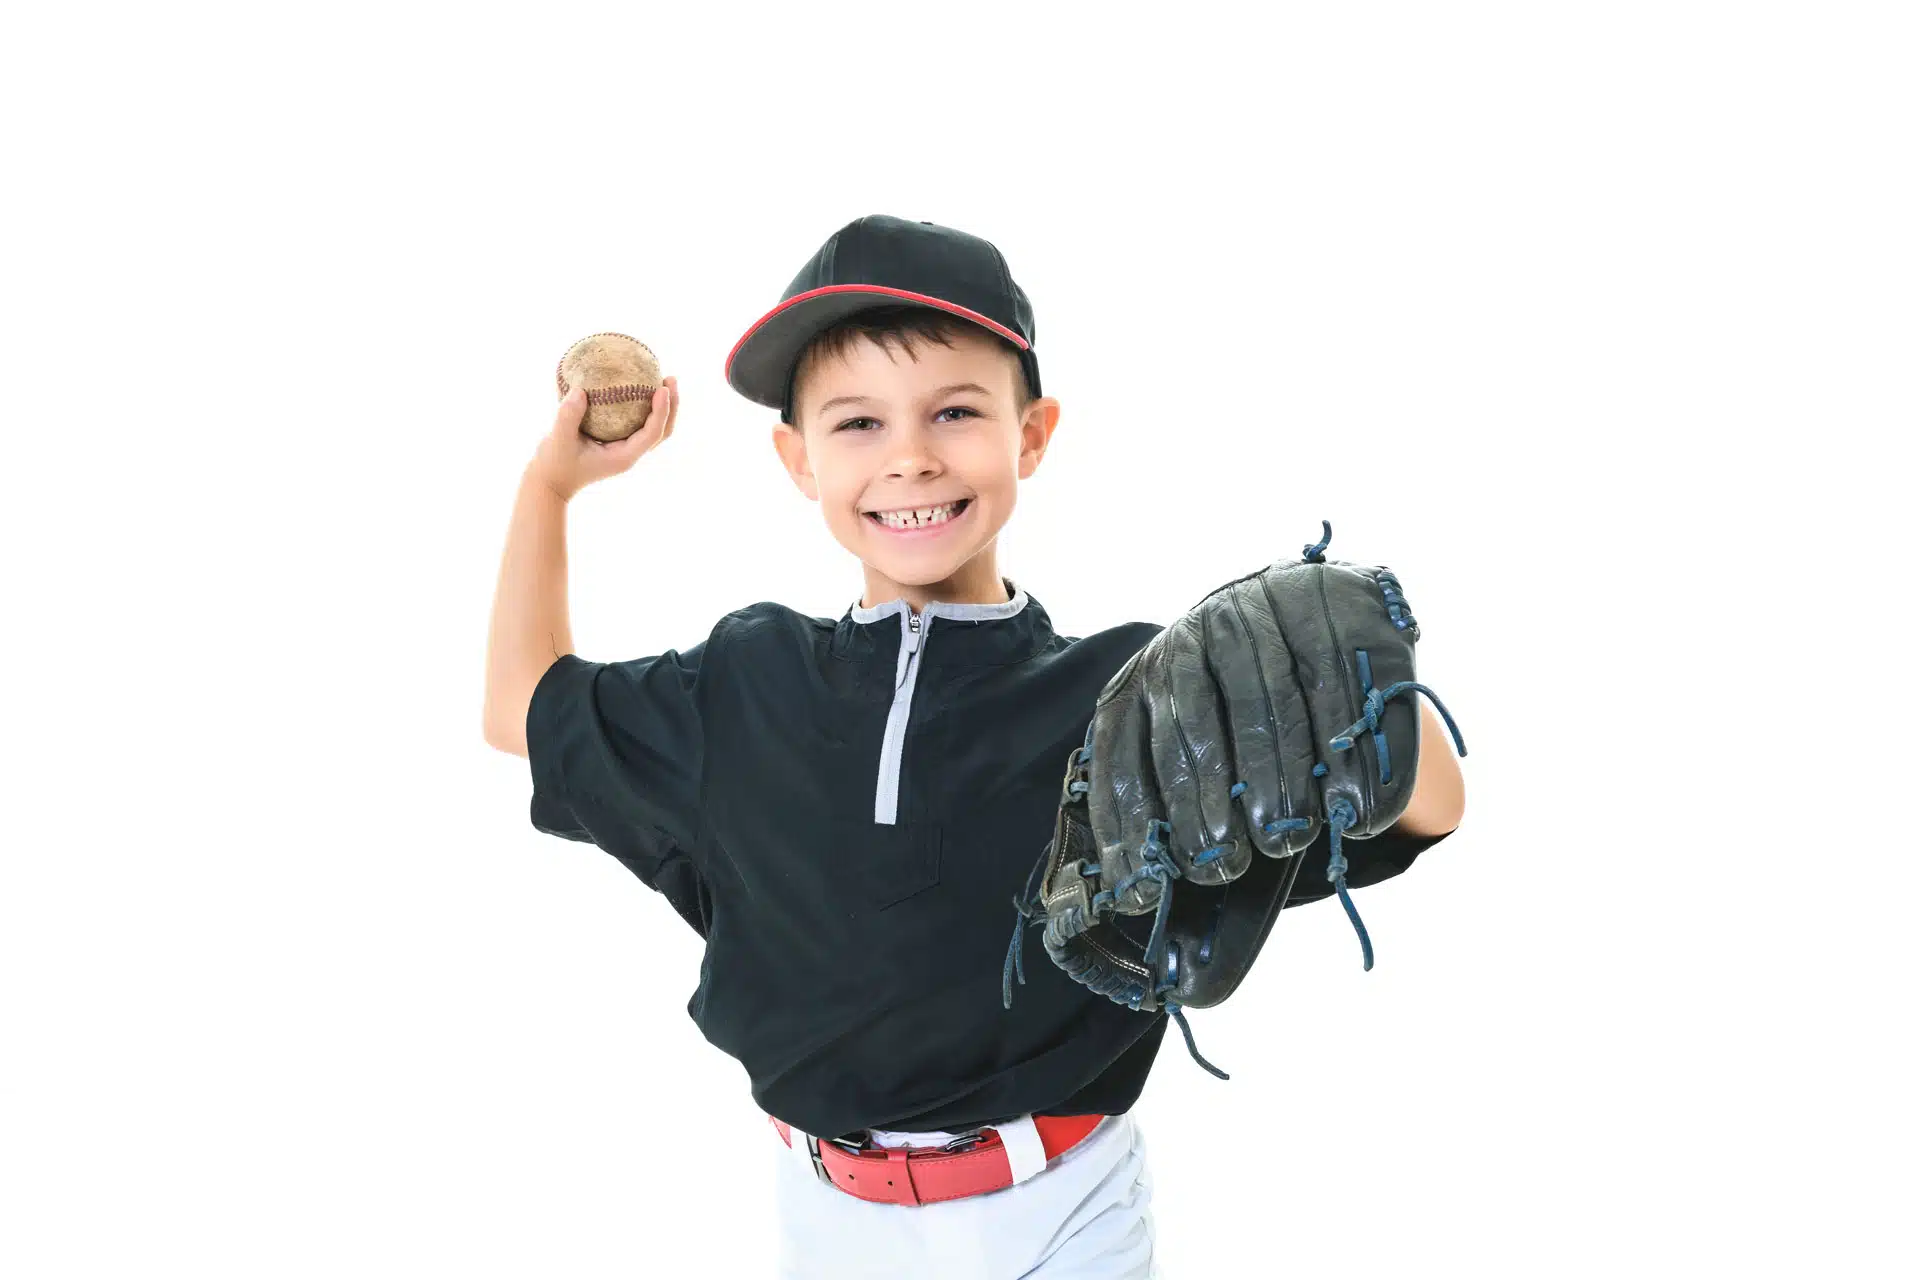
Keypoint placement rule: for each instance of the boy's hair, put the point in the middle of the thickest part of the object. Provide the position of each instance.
(908, 326)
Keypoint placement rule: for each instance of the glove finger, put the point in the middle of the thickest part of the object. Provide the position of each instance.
(1121, 802)
(1231, 645)
(1362, 650)
(1273, 731)
(1193, 750)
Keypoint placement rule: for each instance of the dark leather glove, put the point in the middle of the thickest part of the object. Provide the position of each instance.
(1278, 704)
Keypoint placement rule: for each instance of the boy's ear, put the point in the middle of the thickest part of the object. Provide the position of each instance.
(1036, 430)
(791, 444)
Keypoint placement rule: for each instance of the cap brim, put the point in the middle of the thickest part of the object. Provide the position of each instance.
(758, 365)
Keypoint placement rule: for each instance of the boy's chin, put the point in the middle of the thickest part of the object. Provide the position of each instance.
(916, 570)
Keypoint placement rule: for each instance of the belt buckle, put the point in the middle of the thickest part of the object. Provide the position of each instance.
(819, 1165)
(965, 1140)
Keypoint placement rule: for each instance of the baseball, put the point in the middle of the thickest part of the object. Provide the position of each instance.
(620, 376)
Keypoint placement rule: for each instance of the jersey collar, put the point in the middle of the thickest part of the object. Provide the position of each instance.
(999, 634)
(1016, 601)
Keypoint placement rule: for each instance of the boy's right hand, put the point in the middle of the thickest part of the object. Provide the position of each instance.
(568, 460)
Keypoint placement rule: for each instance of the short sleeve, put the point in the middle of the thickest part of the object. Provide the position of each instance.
(616, 750)
(1368, 862)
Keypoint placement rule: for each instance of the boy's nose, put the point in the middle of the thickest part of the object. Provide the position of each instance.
(911, 455)
(909, 465)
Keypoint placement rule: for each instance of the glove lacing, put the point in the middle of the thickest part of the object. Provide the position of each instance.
(1029, 911)
(1156, 865)
(1340, 816)
(1153, 865)
(1375, 704)
(1029, 908)
(1340, 813)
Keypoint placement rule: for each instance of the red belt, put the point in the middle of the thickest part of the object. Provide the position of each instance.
(924, 1175)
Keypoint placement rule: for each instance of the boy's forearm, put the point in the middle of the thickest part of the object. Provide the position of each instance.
(1439, 796)
(530, 628)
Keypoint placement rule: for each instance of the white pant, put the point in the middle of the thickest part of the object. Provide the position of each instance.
(1087, 1214)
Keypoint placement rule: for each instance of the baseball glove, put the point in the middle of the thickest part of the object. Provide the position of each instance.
(1214, 758)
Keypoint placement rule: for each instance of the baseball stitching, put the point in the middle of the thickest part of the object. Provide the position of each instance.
(623, 394)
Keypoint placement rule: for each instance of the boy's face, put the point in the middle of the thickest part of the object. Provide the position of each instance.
(889, 431)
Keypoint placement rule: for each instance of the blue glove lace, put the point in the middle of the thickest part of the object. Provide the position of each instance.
(1027, 906)
(1175, 1012)
(1157, 864)
(1375, 704)
(1028, 910)
(1340, 814)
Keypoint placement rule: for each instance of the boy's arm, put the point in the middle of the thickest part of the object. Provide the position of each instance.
(1439, 796)
(530, 627)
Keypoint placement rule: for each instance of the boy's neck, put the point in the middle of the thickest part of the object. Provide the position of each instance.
(977, 582)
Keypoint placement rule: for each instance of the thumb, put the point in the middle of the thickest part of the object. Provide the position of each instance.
(573, 407)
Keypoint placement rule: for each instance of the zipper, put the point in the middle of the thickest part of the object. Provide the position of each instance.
(886, 795)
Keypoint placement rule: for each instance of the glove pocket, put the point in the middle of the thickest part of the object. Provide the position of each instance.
(878, 865)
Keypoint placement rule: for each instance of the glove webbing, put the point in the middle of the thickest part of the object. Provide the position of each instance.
(1154, 864)
(1028, 904)
(1117, 987)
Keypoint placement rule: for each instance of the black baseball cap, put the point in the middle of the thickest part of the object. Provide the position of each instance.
(880, 261)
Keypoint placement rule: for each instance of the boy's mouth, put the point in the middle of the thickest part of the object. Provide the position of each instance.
(919, 519)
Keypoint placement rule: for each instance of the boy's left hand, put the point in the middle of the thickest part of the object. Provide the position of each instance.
(1279, 705)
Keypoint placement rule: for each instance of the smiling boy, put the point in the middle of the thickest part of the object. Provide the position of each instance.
(844, 808)
(914, 434)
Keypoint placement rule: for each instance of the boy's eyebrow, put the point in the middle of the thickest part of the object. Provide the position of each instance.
(935, 394)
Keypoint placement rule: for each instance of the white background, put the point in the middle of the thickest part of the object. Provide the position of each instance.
(1597, 324)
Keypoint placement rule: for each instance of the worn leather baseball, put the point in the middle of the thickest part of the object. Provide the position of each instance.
(620, 375)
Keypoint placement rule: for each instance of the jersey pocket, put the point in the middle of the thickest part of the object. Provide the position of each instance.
(879, 865)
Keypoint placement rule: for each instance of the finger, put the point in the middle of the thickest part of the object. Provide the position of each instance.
(1233, 644)
(1121, 802)
(673, 407)
(1278, 761)
(660, 409)
(1193, 752)
(623, 453)
(573, 407)
(651, 431)
(1172, 764)
(1212, 701)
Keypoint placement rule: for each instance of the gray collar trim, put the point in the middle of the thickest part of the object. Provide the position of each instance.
(940, 609)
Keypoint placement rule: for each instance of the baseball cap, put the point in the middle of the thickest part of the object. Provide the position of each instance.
(876, 261)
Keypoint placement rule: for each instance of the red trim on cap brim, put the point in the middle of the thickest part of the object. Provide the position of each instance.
(951, 307)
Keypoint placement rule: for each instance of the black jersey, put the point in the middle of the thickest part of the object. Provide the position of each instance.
(845, 811)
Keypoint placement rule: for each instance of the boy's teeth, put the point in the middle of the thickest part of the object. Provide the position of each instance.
(919, 516)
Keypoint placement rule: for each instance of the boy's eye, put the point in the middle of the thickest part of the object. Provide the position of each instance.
(855, 423)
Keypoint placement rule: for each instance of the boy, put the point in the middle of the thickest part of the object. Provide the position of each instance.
(890, 778)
